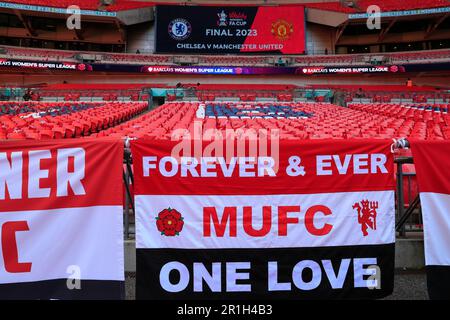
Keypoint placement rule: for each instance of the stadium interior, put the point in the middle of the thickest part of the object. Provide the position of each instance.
(346, 76)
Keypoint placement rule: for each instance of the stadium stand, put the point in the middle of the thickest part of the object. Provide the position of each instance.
(385, 5)
(37, 120)
(118, 5)
(425, 56)
(294, 120)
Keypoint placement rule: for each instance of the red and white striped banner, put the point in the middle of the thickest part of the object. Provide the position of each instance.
(61, 219)
(250, 226)
(432, 162)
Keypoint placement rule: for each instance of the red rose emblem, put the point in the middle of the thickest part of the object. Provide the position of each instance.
(169, 222)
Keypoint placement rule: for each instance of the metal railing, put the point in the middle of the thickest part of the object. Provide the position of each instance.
(129, 208)
(406, 213)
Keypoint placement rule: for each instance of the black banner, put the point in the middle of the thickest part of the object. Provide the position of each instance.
(290, 273)
(209, 29)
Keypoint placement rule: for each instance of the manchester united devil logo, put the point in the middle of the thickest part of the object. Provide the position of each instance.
(169, 222)
(281, 29)
(367, 215)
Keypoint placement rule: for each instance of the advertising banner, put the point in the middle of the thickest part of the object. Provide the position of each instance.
(226, 29)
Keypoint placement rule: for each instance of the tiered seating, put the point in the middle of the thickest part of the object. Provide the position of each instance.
(249, 92)
(414, 121)
(399, 5)
(64, 120)
(420, 56)
(41, 54)
(331, 6)
(135, 58)
(389, 93)
(157, 123)
(385, 5)
(119, 5)
(293, 120)
(284, 97)
(330, 60)
(426, 56)
(211, 95)
(386, 97)
(95, 92)
(14, 108)
(105, 95)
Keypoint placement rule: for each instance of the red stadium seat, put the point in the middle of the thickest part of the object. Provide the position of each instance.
(78, 119)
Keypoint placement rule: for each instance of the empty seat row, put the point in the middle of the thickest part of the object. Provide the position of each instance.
(67, 121)
(290, 120)
(159, 59)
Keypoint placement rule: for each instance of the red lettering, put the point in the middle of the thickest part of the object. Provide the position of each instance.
(312, 223)
(283, 219)
(266, 225)
(309, 220)
(229, 213)
(9, 247)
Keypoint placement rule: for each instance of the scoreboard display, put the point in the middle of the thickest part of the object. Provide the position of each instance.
(230, 30)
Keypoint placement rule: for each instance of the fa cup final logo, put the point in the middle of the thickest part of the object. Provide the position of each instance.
(222, 19)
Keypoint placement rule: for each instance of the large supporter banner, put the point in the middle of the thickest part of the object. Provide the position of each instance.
(315, 220)
(432, 162)
(61, 225)
(226, 29)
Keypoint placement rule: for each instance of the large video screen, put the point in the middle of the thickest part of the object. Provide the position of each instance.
(223, 30)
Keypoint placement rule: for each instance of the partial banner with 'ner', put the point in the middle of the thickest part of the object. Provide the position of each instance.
(313, 220)
(61, 218)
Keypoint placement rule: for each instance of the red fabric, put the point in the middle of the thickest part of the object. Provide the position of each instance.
(103, 86)
(119, 5)
(385, 5)
(102, 162)
(81, 123)
(388, 88)
(235, 86)
(267, 17)
(431, 159)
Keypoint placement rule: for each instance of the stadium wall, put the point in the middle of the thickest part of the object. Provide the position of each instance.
(108, 35)
(141, 37)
